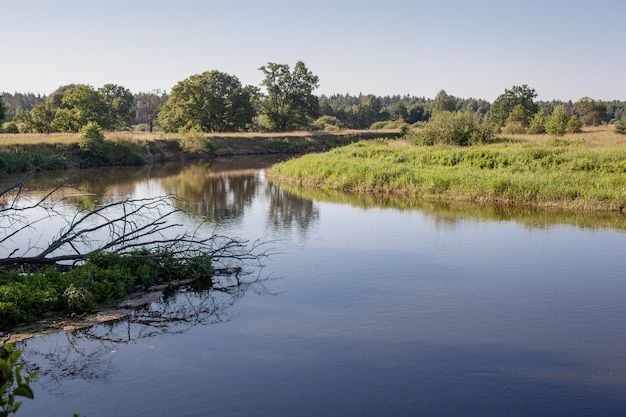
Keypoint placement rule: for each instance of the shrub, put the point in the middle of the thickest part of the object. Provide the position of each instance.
(514, 127)
(557, 123)
(620, 127)
(538, 124)
(574, 125)
(193, 141)
(91, 139)
(327, 123)
(454, 128)
(9, 127)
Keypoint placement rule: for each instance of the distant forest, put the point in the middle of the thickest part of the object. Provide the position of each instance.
(341, 111)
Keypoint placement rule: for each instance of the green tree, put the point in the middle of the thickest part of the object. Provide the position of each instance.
(92, 138)
(40, 118)
(56, 98)
(212, 101)
(517, 122)
(120, 102)
(506, 102)
(147, 107)
(289, 103)
(538, 124)
(443, 102)
(590, 111)
(87, 105)
(557, 122)
(370, 109)
(574, 125)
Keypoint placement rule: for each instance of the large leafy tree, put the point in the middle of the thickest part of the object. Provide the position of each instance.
(87, 105)
(518, 95)
(68, 109)
(39, 119)
(212, 101)
(120, 103)
(289, 103)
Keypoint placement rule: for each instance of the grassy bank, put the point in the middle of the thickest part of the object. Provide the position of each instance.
(104, 279)
(21, 152)
(568, 173)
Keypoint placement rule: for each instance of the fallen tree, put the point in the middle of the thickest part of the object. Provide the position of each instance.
(55, 256)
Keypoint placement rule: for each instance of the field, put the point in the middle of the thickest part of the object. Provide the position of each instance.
(586, 171)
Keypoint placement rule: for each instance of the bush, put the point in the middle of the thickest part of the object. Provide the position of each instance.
(620, 127)
(9, 127)
(454, 128)
(193, 141)
(513, 127)
(574, 125)
(327, 123)
(92, 138)
(538, 124)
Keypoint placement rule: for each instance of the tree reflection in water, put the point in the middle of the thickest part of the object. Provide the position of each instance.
(86, 353)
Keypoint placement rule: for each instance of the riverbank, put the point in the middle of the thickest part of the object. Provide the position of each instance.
(22, 152)
(568, 173)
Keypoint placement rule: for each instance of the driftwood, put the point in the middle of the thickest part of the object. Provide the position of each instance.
(120, 226)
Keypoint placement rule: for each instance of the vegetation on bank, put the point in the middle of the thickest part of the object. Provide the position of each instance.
(552, 173)
(20, 153)
(102, 280)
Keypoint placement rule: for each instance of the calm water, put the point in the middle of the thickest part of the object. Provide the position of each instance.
(369, 307)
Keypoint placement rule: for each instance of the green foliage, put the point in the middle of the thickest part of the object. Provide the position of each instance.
(212, 101)
(514, 128)
(147, 107)
(91, 139)
(620, 126)
(327, 123)
(40, 118)
(104, 278)
(288, 103)
(13, 383)
(443, 102)
(10, 127)
(574, 125)
(590, 111)
(544, 174)
(193, 141)
(538, 124)
(86, 105)
(517, 96)
(457, 128)
(388, 125)
(557, 122)
(120, 103)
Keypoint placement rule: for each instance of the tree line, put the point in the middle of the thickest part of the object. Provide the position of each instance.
(215, 101)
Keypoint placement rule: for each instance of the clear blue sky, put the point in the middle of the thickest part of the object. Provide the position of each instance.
(564, 49)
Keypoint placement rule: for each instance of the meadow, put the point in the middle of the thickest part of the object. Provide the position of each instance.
(586, 171)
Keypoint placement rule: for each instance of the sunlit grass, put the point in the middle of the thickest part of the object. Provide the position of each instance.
(559, 173)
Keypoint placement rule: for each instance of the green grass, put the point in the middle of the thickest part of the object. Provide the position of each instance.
(555, 173)
(103, 279)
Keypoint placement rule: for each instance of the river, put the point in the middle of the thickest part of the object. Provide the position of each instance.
(368, 306)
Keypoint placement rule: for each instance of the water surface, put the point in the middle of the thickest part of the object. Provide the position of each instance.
(370, 306)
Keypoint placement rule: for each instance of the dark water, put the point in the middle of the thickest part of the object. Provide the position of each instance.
(370, 307)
